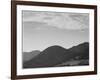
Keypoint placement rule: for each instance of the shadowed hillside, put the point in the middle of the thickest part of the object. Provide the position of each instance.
(29, 55)
(79, 56)
(59, 56)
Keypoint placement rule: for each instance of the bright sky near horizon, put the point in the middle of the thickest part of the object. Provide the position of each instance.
(44, 29)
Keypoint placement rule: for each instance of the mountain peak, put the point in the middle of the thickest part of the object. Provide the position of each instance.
(55, 47)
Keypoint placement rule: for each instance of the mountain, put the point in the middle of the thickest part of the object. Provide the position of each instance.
(29, 55)
(80, 55)
(81, 50)
(56, 55)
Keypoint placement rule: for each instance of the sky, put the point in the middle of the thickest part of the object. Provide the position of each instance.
(43, 29)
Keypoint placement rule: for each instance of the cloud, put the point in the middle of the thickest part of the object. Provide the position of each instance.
(70, 21)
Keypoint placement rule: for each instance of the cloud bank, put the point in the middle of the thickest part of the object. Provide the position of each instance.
(60, 20)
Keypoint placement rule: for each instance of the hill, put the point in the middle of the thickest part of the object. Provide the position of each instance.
(29, 55)
(55, 55)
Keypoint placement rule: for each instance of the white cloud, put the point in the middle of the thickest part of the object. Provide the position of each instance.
(75, 21)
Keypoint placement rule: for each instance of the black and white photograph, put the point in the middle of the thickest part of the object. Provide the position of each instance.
(54, 39)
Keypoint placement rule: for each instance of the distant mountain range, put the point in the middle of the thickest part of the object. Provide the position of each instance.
(29, 55)
(55, 56)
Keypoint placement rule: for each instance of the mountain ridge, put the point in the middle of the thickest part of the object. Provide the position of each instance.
(55, 55)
